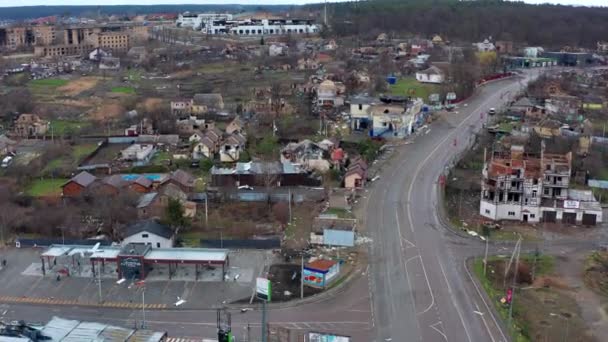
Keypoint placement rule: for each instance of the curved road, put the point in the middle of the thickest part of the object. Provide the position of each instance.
(421, 290)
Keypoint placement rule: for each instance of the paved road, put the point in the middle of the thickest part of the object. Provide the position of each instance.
(347, 313)
(420, 285)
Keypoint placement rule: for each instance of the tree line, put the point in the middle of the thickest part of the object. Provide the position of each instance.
(553, 26)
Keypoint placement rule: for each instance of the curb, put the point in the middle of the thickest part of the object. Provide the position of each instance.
(485, 299)
(70, 302)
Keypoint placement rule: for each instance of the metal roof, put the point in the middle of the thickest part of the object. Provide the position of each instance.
(188, 254)
(56, 250)
(64, 330)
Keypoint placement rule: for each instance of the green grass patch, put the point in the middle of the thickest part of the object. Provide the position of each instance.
(134, 75)
(409, 86)
(46, 187)
(68, 127)
(48, 82)
(192, 238)
(123, 90)
(82, 151)
(519, 329)
(160, 156)
(495, 295)
(341, 213)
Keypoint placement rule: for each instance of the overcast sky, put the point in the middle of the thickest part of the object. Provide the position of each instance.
(9, 3)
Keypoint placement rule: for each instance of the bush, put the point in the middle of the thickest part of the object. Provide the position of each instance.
(206, 165)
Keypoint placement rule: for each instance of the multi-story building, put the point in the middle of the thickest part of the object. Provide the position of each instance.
(62, 50)
(198, 21)
(520, 187)
(78, 40)
(26, 36)
(116, 41)
(224, 24)
(511, 187)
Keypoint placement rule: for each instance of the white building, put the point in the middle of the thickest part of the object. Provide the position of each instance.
(138, 152)
(533, 51)
(151, 233)
(200, 21)
(520, 188)
(484, 46)
(431, 75)
(259, 27)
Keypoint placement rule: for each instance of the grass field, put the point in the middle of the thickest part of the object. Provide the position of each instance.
(81, 151)
(62, 127)
(341, 213)
(46, 187)
(409, 86)
(123, 90)
(522, 330)
(48, 82)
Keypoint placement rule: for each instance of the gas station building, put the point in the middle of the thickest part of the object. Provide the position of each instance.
(134, 261)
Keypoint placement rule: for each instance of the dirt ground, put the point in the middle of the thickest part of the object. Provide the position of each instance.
(108, 110)
(80, 85)
(553, 306)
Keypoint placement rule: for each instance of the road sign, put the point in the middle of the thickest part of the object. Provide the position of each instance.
(263, 289)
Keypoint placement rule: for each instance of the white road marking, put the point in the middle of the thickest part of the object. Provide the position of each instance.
(483, 320)
(427, 283)
(417, 172)
(456, 306)
(408, 244)
(433, 326)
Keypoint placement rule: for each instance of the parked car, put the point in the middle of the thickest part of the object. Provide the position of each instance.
(7, 161)
(492, 111)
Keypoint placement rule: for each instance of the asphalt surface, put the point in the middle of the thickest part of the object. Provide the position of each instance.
(421, 289)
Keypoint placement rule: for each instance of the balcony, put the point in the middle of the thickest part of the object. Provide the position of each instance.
(555, 184)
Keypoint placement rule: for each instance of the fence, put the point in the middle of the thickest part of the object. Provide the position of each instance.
(272, 243)
(47, 242)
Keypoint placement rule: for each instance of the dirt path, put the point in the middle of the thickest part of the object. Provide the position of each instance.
(593, 306)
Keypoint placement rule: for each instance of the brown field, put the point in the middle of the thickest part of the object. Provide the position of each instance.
(109, 110)
(76, 87)
(151, 103)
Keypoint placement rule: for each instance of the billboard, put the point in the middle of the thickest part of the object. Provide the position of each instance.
(314, 278)
(263, 289)
(320, 337)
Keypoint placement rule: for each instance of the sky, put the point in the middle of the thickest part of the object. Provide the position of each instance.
(10, 3)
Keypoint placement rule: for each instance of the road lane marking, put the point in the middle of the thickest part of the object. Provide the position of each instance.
(456, 306)
(427, 283)
(417, 172)
(408, 244)
(483, 320)
(433, 326)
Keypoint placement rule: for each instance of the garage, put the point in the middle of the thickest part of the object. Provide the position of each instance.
(589, 219)
(569, 218)
(550, 216)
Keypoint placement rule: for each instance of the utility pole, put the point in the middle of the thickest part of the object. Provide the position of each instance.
(302, 277)
(514, 282)
(99, 282)
(289, 206)
(264, 339)
(143, 308)
(206, 210)
(485, 258)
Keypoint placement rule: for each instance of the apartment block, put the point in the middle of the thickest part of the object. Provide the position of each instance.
(521, 187)
(26, 36)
